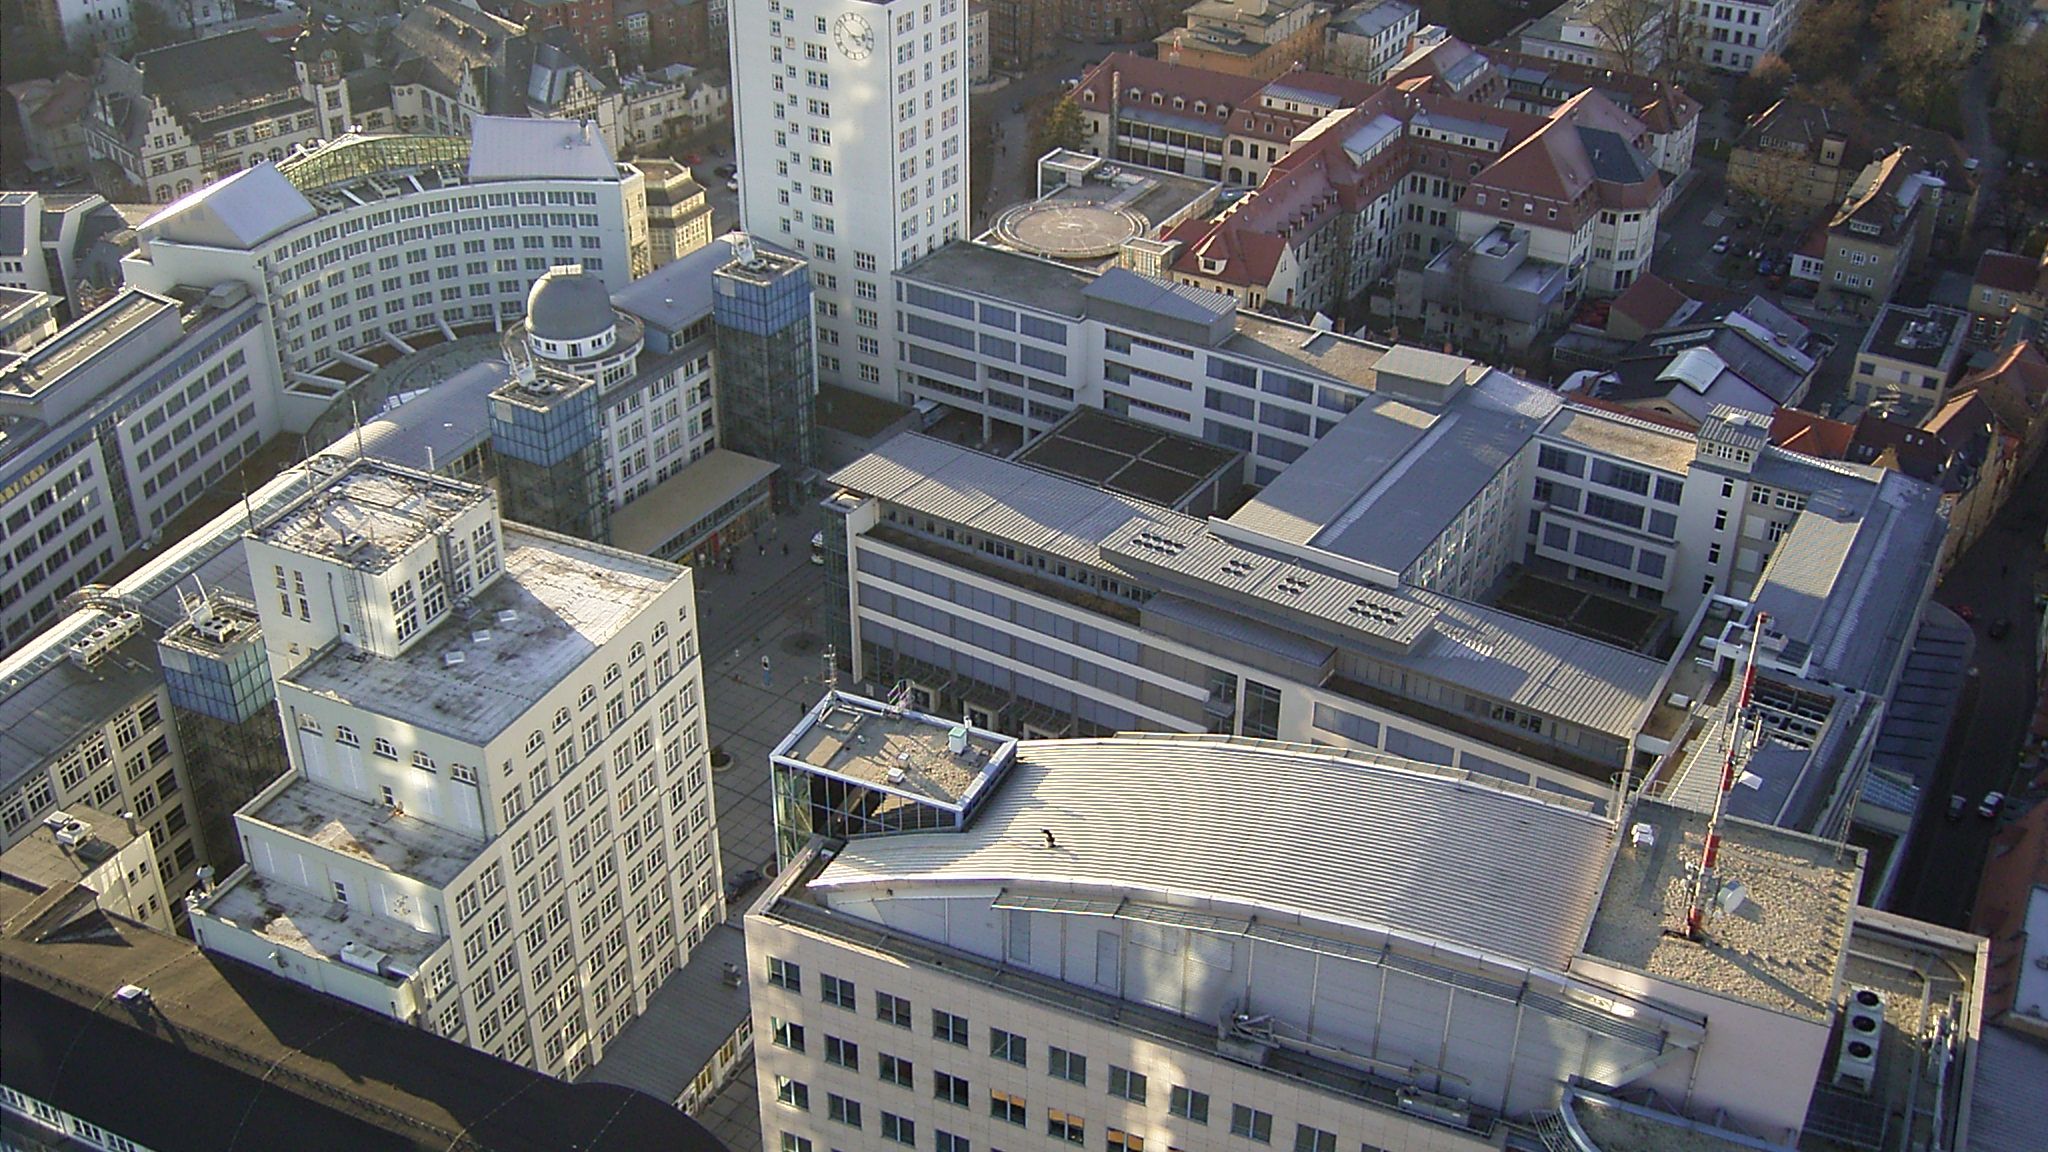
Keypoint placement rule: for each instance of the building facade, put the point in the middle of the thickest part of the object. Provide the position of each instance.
(370, 238)
(940, 983)
(851, 122)
(169, 123)
(113, 426)
(519, 874)
(89, 726)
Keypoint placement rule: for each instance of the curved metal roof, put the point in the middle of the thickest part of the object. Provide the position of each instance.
(1359, 839)
(568, 303)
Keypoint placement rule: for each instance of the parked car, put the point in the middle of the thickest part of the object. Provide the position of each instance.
(732, 185)
(1721, 246)
(692, 159)
(1957, 803)
(741, 881)
(727, 169)
(1993, 802)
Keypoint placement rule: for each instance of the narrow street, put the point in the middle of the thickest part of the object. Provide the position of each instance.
(1938, 881)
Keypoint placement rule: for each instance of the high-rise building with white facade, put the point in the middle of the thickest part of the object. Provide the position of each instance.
(851, 119)
(498, 823)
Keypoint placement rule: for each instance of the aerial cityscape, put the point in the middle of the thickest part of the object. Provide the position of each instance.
(964, 575)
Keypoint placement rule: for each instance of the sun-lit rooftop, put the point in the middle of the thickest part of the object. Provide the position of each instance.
(1776, 941)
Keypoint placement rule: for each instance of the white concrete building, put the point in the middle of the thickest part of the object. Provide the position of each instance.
(1366, 40)
(498, 823)
(1733, 36)
(368, 239)
(851, 120)
(1187, 941)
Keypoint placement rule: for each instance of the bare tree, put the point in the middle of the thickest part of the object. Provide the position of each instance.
(1773, 177)
(1632, 31)
(1922, 42)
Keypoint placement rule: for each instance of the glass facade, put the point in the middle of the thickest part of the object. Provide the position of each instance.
(767, 376)
(548, 439)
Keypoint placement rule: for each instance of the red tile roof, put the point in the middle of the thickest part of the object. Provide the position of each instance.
(1650, 301)
(1811, 434)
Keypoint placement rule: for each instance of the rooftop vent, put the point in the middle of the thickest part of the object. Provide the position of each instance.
(72, 833)
(452, 659)
(1643, 835)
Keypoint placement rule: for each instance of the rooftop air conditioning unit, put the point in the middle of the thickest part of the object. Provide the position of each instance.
(73, 833)
(1862, 1038)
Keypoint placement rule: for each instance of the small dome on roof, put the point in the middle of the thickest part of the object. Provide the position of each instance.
(568, 304)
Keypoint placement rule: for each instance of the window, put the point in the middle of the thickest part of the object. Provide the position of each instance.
(1188, 1104)
(792, 1093)
(1065, 1126)
(836, 992)
(842, 1053)
(1251, 1123)
(1120, 1141)
(947, 1142)
(783, 974)
(948, 1027)
(892, 1009)
(898, 1071)
(786, 1034)
(1004, 1106)
(841, 1110)
(952, 1089)
(385, 749)
(1127, 1084)
(1008, 1046)
(1065, 1065)
(901, 1129)
(1307, 1139)
(791, 1142)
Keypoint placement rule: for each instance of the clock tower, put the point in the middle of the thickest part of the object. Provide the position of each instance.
(851, 118)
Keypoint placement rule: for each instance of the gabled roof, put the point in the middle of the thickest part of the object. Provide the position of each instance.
(1811, 434)
(1651, 302)
(2011, 272)
(216, 72)
(238, 212)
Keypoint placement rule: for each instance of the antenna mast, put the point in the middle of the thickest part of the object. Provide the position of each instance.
(1695, 913)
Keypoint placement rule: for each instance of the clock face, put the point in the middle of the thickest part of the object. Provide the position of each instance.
(853, 36)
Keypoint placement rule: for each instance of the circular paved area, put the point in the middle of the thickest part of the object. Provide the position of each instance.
(1068, 231)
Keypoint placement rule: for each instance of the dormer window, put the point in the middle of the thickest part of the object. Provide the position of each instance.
(346, 735)
(1180, 102)
(423, 762)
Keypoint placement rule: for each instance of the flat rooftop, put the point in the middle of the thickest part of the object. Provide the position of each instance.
(1125, 456)
(1931, 337)
(406, 845)
(291, 917)
(45, 366)
(865, 741)
(369, 514)
(37, 860)
(1778, 949)
(557, 602)
(1014, 277)
(48, 702)
(1665, 449)
(1427, 852)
